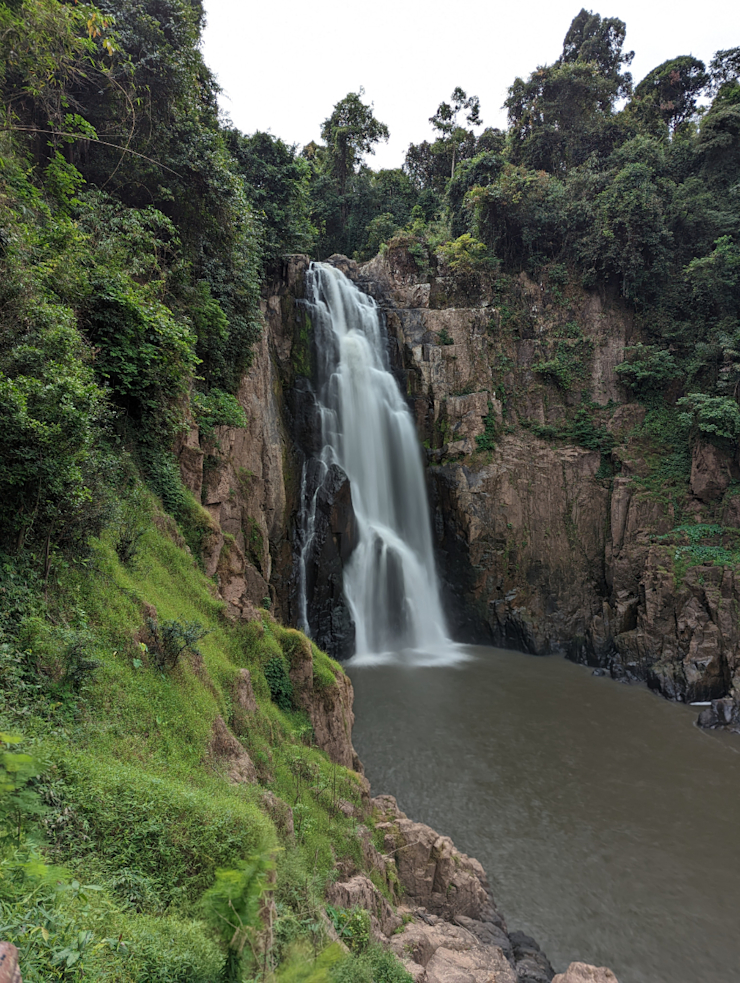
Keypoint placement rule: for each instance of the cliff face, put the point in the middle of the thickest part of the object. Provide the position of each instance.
(551, 534)
(251, 481)
(544, 543)
(521, 523)
(242, 478)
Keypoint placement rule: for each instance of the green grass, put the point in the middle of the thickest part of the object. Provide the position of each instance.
(129, 798)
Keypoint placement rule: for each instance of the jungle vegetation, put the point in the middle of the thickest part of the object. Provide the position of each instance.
(136, 230)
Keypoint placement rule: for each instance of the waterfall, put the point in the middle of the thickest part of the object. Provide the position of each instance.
(390, 582)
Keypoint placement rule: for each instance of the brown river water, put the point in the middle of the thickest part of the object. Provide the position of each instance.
(608, 823)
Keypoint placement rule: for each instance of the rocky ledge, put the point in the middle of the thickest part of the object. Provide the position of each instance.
(445, 927)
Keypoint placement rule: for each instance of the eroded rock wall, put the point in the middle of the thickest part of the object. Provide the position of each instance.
(251, 479)
(243, 475)
(546, 544)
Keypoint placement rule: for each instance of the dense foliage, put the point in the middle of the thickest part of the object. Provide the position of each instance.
(134, 232)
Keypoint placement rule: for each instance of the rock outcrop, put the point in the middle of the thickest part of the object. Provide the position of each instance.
(280, 813)
(239, 475)
(9, 968)
(721, 714)
(711, 472)
(583, 973)
(446, 927)
(244, 703)
(433, 872)
(328, 704)
(226, 752)
(360, 892)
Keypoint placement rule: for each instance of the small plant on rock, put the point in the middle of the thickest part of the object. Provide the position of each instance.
(133, 520)
(352, 926)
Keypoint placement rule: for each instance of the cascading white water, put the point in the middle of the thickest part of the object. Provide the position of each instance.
(390, 582)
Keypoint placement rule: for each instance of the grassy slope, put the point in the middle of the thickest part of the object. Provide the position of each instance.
(135, 806)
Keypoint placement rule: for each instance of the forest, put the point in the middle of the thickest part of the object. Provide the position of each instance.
(138, 228)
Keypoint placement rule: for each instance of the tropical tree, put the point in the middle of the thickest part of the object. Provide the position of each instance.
(670, 92)
(277, 180)
(445, 121)
(564, 112)
(350, 133)
(592, 39)
(724, 68)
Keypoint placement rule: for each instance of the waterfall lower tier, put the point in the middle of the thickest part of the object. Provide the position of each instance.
(390, 581)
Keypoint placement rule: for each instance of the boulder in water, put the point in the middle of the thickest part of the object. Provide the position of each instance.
(585, 973)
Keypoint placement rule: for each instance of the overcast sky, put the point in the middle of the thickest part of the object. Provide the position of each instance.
(284, 65)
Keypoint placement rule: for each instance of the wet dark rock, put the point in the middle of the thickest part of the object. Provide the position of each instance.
(532, 965)
(466, 615)
(305, 423)
(488, 933)
(334, 539)
(724, 714)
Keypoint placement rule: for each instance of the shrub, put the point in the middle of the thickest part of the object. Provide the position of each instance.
(281, 688)
(169, 639)
(145, 354)
(51, 416)
(712, 416)
(217, 409)
(647, 369)
(374, 965)
(465, 254)
(568, 364)
(18, 801)
(132, 520)
(352, 926)
(487, 440)
(582, 429)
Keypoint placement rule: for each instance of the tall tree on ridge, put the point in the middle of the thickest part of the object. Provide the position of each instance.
(445, 120)
(350, 133)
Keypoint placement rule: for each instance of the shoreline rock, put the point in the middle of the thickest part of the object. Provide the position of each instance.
(721, 714)
(446, 927)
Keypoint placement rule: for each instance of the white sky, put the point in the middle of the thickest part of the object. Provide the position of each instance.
(283, 65)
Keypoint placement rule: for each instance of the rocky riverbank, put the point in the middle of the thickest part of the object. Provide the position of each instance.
(428, 902)
(446, 927)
